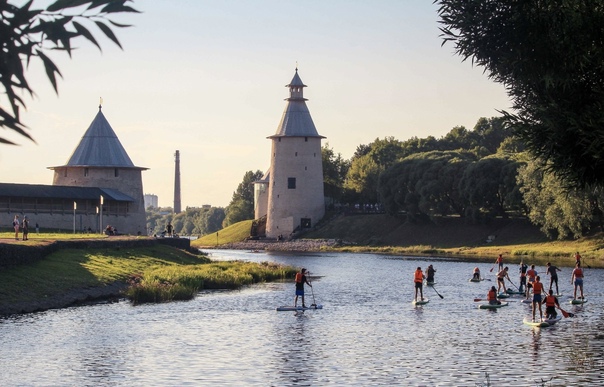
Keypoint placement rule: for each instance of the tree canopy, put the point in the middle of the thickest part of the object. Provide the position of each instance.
(27, 33)
(550, 57)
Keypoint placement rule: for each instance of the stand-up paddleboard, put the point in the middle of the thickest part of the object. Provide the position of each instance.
(552, 321)
(503, 295)
(492, 306)
(578, 301)
(475, 280)
(511, 291)
(430, 283)
(536, 323)
(420, 302)
(287, 308)
(525, 301)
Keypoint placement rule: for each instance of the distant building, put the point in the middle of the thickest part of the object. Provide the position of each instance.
(290, 194)
(98, 179)
(151, 201)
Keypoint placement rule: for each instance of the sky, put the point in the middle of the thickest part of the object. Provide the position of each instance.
(208, 78)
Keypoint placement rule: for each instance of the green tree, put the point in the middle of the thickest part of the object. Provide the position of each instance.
(549, 55)
(209, 221)
(335, 169)
(27, 33)
(560, 212)
(241, 206)
(362, 178)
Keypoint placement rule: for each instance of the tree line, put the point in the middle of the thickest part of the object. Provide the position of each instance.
(478, 175)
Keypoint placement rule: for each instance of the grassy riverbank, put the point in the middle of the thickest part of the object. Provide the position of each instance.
(72, 275)
(516, 239)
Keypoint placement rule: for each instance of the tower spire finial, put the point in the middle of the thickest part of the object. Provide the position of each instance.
(100, 103)
(296, 66)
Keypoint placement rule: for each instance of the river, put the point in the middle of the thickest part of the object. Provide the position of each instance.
(367, 334)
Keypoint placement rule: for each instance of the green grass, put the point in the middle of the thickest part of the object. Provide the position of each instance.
(234, 233)
(182, 283)
(70, 269)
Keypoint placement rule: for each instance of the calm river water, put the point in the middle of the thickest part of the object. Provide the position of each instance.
(368, 334)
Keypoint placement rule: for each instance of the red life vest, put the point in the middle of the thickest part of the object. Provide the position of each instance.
(492, 295)
(299, 277)
(531, 274)
(578, 272)
(537, 287)
(550, 301)
(419, 276)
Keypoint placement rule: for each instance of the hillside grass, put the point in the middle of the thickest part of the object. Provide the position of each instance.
(234, 233)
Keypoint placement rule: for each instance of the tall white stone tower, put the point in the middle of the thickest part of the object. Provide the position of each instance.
(295, 178)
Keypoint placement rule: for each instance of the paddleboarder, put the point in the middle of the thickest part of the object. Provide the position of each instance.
(501, 276)
(551, 302)
(537, 293)
(552, 271)
(492, 296)
(530, 278)
(418, 279)
(577, 279)
(522, 269)
(499, 262)
(476, 275)
(430, 271)
(577, 258)
(300, 281)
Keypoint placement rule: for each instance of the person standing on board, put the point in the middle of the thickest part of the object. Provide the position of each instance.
(537, 293)
(499, 262)
(552, 272)
(501, 276)
(418, 279)
(492, 296)
(300, 281)
(476, 275)
(16, 227)
(551, 302)
(577, 279)
(430, 275)
(577, 258)
(530, 278)
(522, 269)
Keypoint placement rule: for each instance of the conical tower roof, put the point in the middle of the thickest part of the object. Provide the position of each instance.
(100, 147)
(296, 120)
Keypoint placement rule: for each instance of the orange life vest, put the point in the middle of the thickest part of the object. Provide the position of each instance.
(299, 277)
(578, 273)
(537, 287)
(419, 276)
(550, 301)
(531, 274)
(492, 295)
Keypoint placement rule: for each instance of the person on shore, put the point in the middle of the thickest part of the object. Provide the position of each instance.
(300, 281)
(552, 271)
(492, 296)
(537, 294)
(551, 302)
(476, 275)
(16, 227)
(501, 276)
(531, 274)
(430, 271)
(577, 258)
(418, 279)
(522, 269)
(25, 228)
(169, 229)
(577, 279)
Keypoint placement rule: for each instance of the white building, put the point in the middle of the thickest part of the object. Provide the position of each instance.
(291, 193)
(151, 201)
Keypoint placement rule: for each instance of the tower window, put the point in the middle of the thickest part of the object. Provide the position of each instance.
(296, 154)
(305, 168)
(305, 139)
(65, 172)
(116, 172)
(85, 172)
(291, 183)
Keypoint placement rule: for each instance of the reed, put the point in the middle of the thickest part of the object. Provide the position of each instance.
(183, 282)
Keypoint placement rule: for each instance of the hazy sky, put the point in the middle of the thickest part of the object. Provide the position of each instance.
(207, 78)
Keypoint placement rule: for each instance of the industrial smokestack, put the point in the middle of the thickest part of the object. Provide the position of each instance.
(177, 205)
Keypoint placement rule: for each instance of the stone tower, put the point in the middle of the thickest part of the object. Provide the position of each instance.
(177, 205)
(295, 178)
(101, 161)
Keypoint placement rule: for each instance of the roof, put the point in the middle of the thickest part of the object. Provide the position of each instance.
(100, 147)
(61, 192)
(296, 120)
(265, 178)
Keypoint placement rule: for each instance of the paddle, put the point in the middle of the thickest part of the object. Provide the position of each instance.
(513, 284)
(492, 269)
(436, 291)
(565, 313)
(314, 304)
